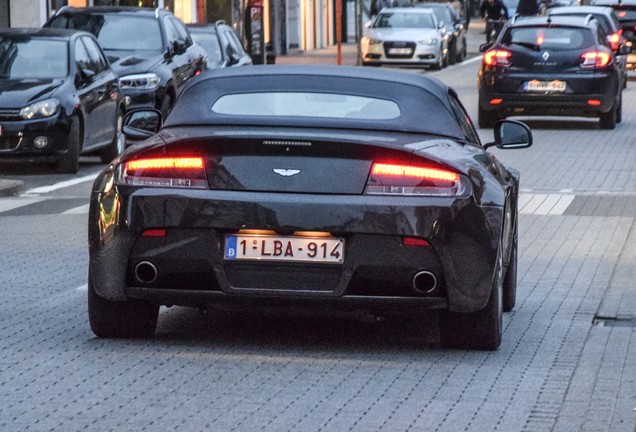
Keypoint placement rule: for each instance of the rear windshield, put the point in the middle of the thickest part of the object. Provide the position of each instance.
(116, 32)
(210, 43)
(626, 14)
(553, 38)
(405, 20)
(26, 57)
(306, 104)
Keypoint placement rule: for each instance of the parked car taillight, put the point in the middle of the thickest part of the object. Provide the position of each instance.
(177, 172)
(394, 179)
(497, 58)
(595, 59)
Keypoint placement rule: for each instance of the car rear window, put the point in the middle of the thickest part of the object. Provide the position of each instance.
(625, 14)
(554, 38)
(306, 104)
(210, 43)
(26, 57)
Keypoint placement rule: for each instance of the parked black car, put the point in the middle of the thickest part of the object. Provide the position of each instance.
(58, 98)
(626, 14)
(312, 186)
(221, 43)
(151, 50)
(455, 29)
(551, 65)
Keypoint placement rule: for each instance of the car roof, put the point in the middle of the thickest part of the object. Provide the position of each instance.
(406, 9)
(423, 100)
(43, 32)
(127, 10)
(561, 20)
(614, 2)
(581, 10)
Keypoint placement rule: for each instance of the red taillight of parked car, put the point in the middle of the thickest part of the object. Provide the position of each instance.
(497, 58)
(177, 172)
(397, 179)
(595, 59)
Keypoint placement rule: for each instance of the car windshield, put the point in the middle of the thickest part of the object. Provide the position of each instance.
(404, 20)
(554, 38)
(443, 15)
(210, 43)
(306, 104)
(26, 57)
(117, 32)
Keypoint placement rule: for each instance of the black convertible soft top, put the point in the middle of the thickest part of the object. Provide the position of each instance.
(423, 101)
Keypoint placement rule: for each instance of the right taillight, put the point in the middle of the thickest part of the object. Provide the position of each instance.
(176, 172)
(614, 41)
(595, 59)
(398, 179)
(497, 57)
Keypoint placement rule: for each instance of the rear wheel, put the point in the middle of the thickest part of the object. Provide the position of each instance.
(510, 280)
(486, 119)
(69, 162)
(477, 330)
(609, 119)
(116, 147)
(619, 110)
(125, 319)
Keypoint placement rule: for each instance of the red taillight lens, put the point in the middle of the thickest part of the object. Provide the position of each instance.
(395, 179)
(592, 59)
(614, 40)
(184, 172)
(497, 58)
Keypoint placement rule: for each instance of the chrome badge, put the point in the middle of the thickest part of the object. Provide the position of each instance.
(286, 172)
(545, 56)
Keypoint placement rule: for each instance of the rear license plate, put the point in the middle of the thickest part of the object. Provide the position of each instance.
(400, 51)
(284, 248)
(555, 86)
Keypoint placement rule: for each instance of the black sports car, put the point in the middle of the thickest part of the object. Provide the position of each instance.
(308, 185)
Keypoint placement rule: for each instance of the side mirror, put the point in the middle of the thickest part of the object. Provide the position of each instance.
(485, 47)
(141, 124)
(511, 134)
(624, 49)
(83, 76)
(178, 47)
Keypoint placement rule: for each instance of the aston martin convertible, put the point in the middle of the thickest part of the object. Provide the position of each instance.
(308, 186)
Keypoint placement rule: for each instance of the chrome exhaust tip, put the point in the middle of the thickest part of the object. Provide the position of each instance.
(146, 272)
(424, 282)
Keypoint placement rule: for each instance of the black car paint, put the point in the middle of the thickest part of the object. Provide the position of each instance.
(93, 102)
(469, 234)
(174, 64)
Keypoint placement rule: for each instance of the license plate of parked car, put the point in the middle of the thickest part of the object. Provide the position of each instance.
(545, 86)
(400, 51)
(284, 248)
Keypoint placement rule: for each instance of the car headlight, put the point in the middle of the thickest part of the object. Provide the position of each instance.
(431, 41)
(374, 41)
(147, 81)
(45, 108)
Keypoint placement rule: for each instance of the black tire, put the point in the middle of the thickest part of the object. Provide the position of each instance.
(452, 53)
(461, 55)
(510, 280)
(69, 162)
(481, 330)
(608, 120)
(126, 319)
(118, 144)
(486, 119)
(619, 109)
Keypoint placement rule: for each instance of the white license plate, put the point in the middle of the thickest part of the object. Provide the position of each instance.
(545, 86)
(284, 248)
(400, 51)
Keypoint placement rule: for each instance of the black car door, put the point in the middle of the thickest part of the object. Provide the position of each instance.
(97, 93)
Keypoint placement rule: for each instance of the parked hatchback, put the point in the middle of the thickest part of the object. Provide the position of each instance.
(151, 50)
(59, 98)
(221, 43)
(550, 65)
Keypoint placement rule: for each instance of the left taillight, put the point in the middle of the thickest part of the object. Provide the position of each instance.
(430, 180)
(176, 172)
(595, 59)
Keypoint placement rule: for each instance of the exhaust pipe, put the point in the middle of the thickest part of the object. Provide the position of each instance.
(424, 282)
(146, 272)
